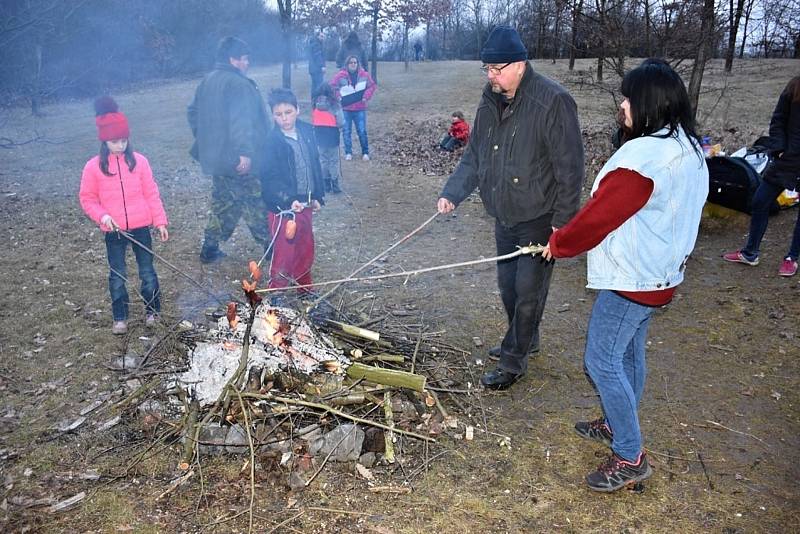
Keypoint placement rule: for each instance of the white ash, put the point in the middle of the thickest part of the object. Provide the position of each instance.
(300, 347)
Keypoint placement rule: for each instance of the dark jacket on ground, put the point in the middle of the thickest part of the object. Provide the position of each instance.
(784, 136)
(278, 178)
(316, 55)
(527, 159)
(228, 120)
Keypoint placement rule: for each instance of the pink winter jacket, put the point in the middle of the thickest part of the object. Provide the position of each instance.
(132, 200)
(342, 82)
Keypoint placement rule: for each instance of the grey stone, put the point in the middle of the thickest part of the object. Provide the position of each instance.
(211, 439)
(236, 440)
(367, 459)
(343, 443)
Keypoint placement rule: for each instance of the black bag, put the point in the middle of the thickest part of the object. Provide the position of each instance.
(732, 182)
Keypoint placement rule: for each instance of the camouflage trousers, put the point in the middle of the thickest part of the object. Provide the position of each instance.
(231, 198)
(329, 160)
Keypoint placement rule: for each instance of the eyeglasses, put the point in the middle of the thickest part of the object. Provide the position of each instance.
(494, 70)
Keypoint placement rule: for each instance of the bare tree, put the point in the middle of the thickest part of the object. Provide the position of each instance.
(286, 11)
(575, 11)
(748, 11)
(700, 58)
(734, 17)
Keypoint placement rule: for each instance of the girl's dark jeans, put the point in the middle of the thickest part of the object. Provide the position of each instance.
(763, 198)
(116, 247)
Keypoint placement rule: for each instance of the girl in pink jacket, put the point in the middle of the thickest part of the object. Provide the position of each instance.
(119, 194)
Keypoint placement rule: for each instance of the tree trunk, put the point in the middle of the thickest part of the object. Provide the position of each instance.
(285, 11)
(573, 40)
(404, 48)
(706, 28)
(557, 31)
(748, 11)
(735, 16)
(374, 48)
(647, 29)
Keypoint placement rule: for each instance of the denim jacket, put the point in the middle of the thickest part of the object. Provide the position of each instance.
(649, 251)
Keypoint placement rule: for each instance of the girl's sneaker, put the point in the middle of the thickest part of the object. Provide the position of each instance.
(348, 157)
(616, 473)
(597, 430)
(788, 267)
(119, 328)
(738, 256)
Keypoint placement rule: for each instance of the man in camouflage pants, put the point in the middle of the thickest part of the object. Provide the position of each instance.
(229, 123)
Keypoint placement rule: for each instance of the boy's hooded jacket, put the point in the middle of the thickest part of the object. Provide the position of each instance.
(130, 197)
(278, 175)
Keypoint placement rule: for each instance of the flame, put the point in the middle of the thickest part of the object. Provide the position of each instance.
(229, 345)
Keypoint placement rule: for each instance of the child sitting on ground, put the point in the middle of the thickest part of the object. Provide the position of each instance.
(458, 133)
(327, 117)
(119, 194)
(292, 189)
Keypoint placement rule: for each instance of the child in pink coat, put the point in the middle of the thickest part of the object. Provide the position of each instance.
(119, 194)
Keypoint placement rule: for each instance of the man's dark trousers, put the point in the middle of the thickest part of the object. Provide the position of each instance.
(524, 282)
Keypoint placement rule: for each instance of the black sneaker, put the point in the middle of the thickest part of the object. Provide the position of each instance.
(210, 255)
(598, 430)
(616, 473)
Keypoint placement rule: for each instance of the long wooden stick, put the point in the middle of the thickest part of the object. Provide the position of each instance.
(531, 249)
(376, 258)
(334, 411)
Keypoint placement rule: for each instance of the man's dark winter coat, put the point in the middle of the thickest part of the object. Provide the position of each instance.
(527, 159)
(316, 56)
(228, 120)
(278, 178)
(784, 136)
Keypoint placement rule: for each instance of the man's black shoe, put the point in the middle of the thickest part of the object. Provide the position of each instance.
(597, 430)
(494, 352)
(210, 255)
(617, 473)
(499, 379)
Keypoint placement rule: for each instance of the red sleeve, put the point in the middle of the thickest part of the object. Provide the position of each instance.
(621, 194)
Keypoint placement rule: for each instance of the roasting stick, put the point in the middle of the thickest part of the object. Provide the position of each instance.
(197, 284)
(529, 249)
(370, 262)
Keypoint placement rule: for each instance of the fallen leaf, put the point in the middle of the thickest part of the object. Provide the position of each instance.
(364, 472)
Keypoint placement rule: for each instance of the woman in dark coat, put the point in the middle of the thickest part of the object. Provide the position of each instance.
(782, 173)
(351, 46)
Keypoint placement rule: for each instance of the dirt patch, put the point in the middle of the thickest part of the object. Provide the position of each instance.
(720, 414)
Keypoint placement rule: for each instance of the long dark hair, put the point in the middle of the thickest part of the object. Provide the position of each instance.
(658, 99)
(793, 89)
(105, 152)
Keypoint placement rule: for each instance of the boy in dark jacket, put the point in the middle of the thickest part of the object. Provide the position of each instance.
(292, 189)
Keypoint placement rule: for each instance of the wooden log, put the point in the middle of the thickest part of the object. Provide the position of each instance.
(390, 358)
(191, 432)
(387, 377)
(357, 331)
(388, 437)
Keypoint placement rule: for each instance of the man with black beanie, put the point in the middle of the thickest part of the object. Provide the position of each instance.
(526, 156)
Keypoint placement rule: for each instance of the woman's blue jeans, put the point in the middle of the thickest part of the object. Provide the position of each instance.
(360, 120)
(615, 364)
(763, 198)
(116, 247)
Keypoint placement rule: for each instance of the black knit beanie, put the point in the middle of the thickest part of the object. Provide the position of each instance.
(503, 46)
